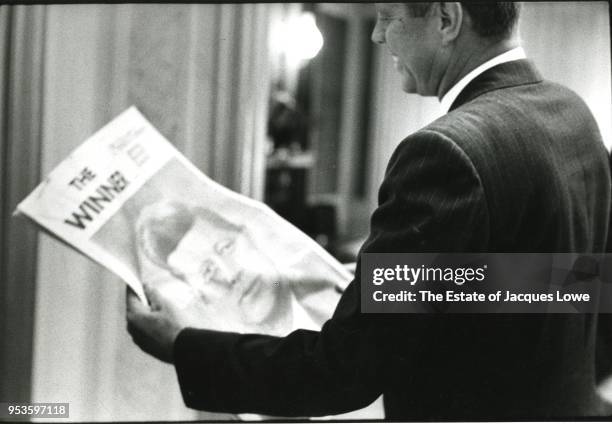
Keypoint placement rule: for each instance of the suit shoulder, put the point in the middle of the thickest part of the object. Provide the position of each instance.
(432, 143)
(544, 110)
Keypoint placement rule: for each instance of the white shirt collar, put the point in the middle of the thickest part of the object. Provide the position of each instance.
(452, 94)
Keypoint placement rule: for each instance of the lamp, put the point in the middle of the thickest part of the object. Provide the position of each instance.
(298, 39)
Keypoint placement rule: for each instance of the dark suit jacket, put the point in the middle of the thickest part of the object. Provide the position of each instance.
(517, 165)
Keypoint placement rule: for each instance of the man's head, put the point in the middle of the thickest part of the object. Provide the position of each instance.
(434, 44)
(218, 259)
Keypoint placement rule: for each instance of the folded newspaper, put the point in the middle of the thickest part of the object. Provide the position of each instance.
(129, 200)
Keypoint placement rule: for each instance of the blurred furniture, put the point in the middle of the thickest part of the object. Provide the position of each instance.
(287, 178)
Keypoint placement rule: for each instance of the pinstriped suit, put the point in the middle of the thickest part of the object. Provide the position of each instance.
(517, 165)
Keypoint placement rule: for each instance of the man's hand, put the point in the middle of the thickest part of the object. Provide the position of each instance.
(156, 328)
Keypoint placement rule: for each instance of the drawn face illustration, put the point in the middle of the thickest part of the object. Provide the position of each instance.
(224, 266)
(221, 262)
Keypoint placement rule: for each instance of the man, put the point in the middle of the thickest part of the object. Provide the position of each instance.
(516, 165)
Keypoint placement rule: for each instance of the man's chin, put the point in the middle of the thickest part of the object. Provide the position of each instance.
(408, 85)
(275, 318)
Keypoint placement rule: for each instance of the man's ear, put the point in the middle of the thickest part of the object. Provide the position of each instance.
(451, 19)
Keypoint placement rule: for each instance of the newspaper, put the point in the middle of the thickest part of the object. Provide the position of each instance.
(130, 201)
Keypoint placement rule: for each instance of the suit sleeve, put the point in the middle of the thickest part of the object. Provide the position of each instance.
(431, 200)
(603, 352)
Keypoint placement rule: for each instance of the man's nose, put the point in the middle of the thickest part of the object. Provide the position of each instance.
(378, 34)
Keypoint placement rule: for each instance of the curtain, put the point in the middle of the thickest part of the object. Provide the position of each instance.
(199, 74)
(21, 41)
(206, 87)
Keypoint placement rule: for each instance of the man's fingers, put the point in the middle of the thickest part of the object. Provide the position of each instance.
(135, 310)
(139, 319)
(138, 331)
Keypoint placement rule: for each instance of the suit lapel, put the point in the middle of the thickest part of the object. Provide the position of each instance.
(509, 74)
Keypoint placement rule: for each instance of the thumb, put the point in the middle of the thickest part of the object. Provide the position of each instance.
(133, 303)
(153, 296)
